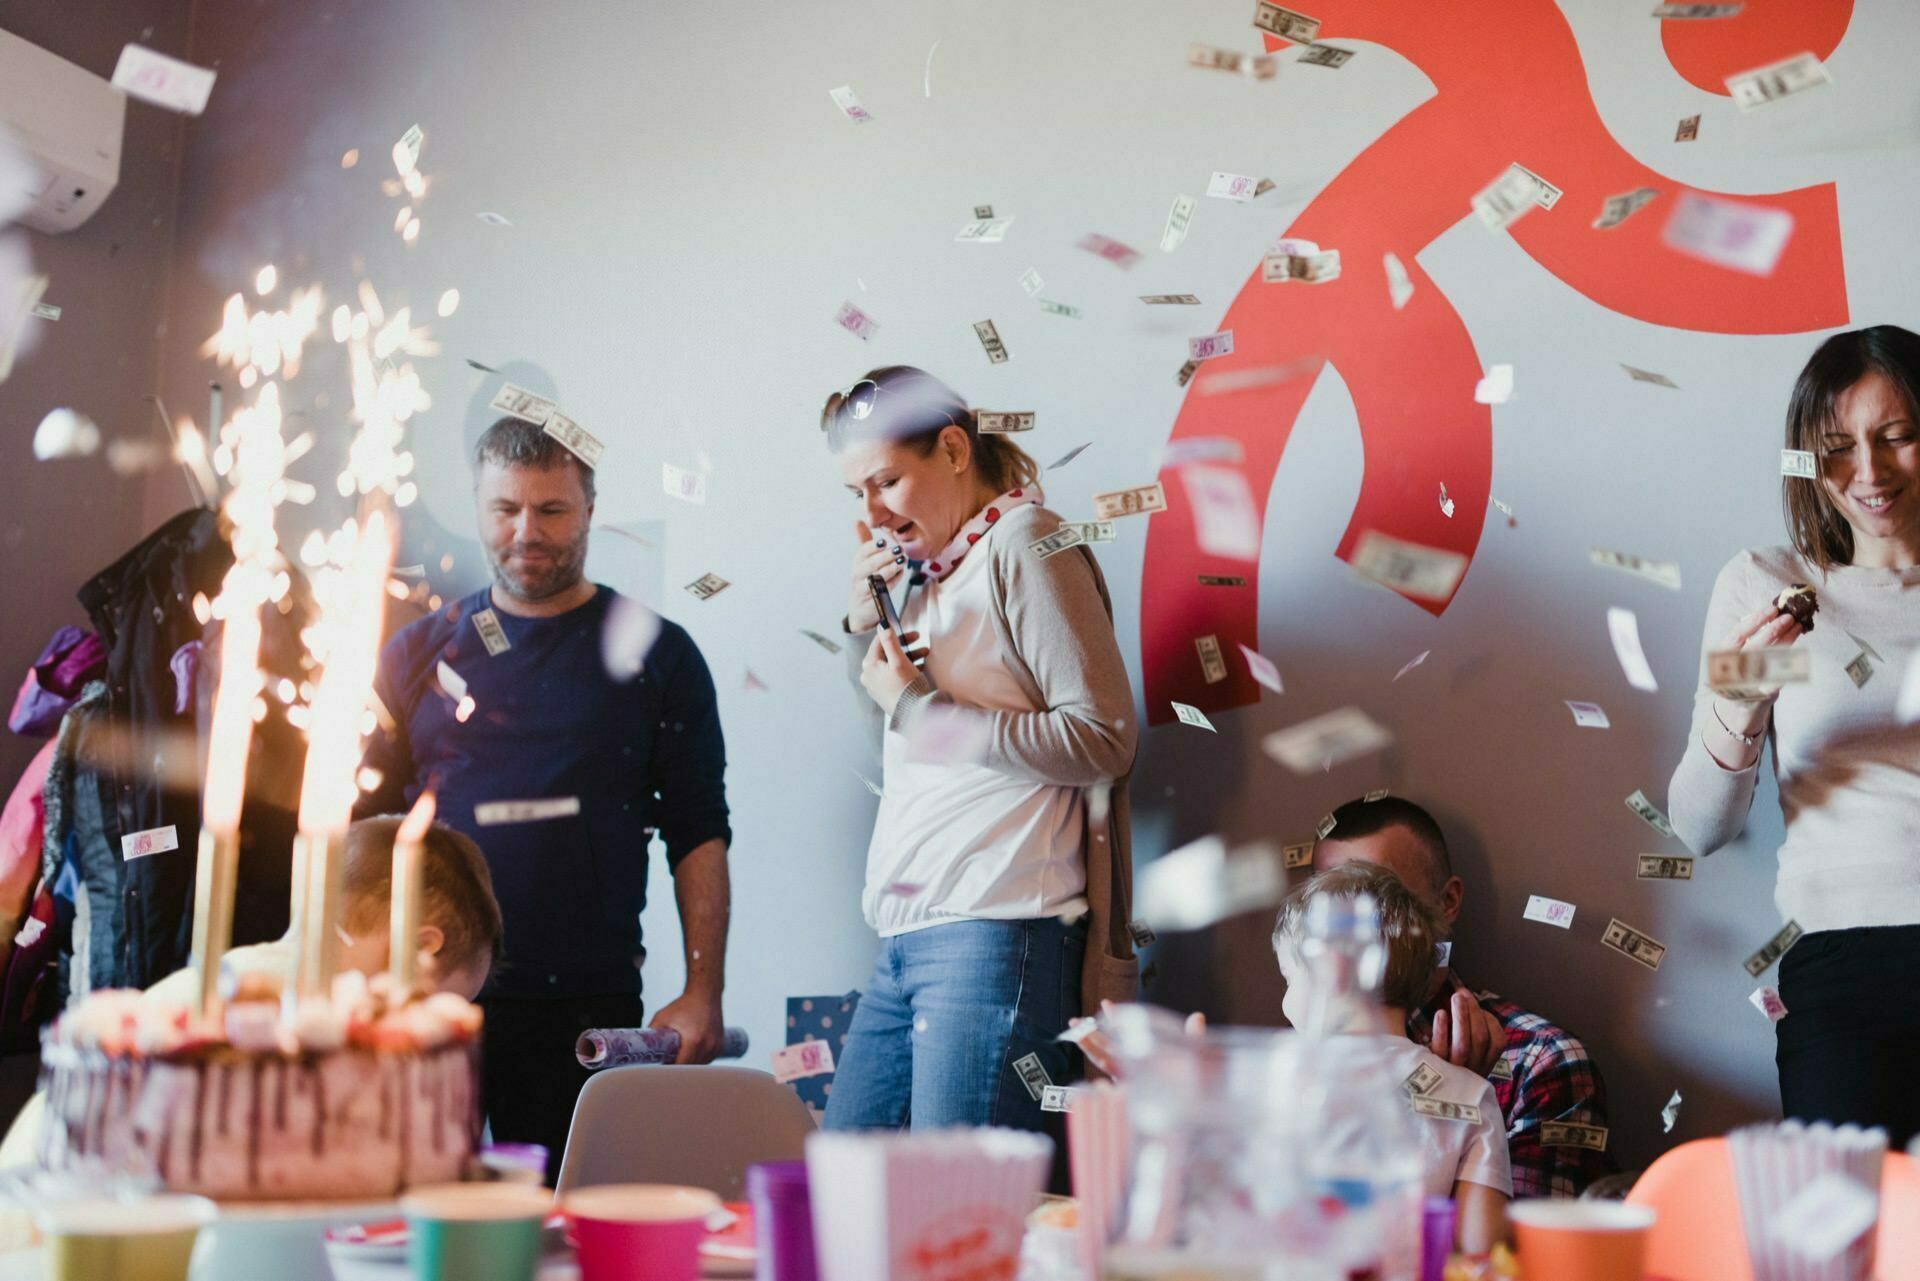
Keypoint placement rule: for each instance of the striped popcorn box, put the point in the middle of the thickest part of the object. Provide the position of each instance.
(1809, 1199)
(1098, 1142)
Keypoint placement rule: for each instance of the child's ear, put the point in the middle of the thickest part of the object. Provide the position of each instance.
(432, 940)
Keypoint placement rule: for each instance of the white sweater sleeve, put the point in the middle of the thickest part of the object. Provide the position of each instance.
(1709, 802)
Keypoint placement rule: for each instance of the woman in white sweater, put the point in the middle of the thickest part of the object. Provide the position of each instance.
(1846, 754)
(999, 892)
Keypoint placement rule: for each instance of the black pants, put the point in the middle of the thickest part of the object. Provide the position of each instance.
(530, 1077)
(1849, 1046)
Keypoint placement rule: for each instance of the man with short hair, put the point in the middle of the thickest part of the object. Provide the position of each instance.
(1542, 1072)
(553, 736)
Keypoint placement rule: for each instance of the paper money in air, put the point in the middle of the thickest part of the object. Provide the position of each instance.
(1221, 580)
(1687, 130)
(707, 586)
(1213, 668)
(1507, 198)
(1112, 250)
(496, 813)
(856, 322)
(1178, 219)
(1399, 284)
(1624, 628)
(1665, 573)
(990, 340)
(1225, 520)
(989, 423)
(1776, 947)
(1824, 1218)
(518, 402)
(1768, 1002)
(1728, 233)
(1697, 10)
(1094, 531)
(832, 647)
(1204, 883)
(1130, 502)
(1170, 300)
(1327, 740)
(1053, 308)
(1410, 664)
(985, 231)
(1670, 1113)
(1497, 387)
(1285, 23)
(680, 483)
(1631, 943)
(1261, 668)
(1031, 282)
(1571, 1134)
(1211, 346)
(808, 1058)
(843, 98)
(1259, 66)
(1746, 673)
(1798, 462)
(1622, 207)
(1413, 569)
(1314, 269)
(1588, 715)
(1777, 80)
(1650, 814)
(1424, 1079)
(1054, 1098)
(1663, 867)
(1297, 855)
(1648, 376)
(1549, 911)
(1860, 670)
(580, 442)
(1232, 186)
(163, 81)
(1325, 55)
(1326, 824)
(1069, 456)
(1190, 715)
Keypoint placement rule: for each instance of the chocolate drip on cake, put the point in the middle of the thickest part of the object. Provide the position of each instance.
(319, 1110)
(406, 1126)
(280, 1096)
(199, 1122)
(253, 1127)
(439, 1106)
(226, 1091)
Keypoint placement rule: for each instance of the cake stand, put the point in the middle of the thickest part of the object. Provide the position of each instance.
(282, 1240)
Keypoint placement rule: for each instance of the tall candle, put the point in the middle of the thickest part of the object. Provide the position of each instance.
(409, 868)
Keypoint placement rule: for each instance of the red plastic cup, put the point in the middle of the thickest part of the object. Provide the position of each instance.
(639, 1231)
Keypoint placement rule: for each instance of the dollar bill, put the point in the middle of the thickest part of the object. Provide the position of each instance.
(518, 402)
(1170, 300)
(1549, 911)
(580, 442)
(856, 322)
(1624, 628)
(832, 647)
(990, 339)
(1622, 207)
(492, 635)
(1377, 794)
(1325, 55)
(1687, 130)
(495, 813)
(1053, 308)
(1650, 814)
(1648, 376)
(47, 311)
(1697, 10)
(1445, 1109)
(1431, 573)
(843, 98)
(1399, 284)
(1860, 670)
(181, 86)
(1141, 933)
(1053, 1098)
(1326, 824)
(1768, 1002)
(1285, 23)
(678, 482)
(1631, 943)
(1262, 669)
(1222, 580)
(983, 211)
(1424, 1079)
(1213, 667)
(708, 586)
(797, 1062)
(1058, 541)
(1799, 462)
(1314, 269)
(1741, 673)
(998, 424)
(1095, 531)
(1259, 66)
(1232, 186)
(1589, 715)
(1211, 346)
(1130, 502)
(1776, 947)
(1112, 250)
(985, 231)
(1728, 233)
(1300, 855)
(1501, 1071)
(1191, 715)
(1571, 1134)
(1777, 80)
(1033, 1074)
(1326, 740)
(1506, 199)
(1179, 218)
(1184, 374)
(1031, 282)
(1665, 573)
(1663, 867)
(1265, 185)
(1545, 194)
(1069, 456)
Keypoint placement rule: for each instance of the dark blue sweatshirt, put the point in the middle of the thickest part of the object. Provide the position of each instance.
(549, 722)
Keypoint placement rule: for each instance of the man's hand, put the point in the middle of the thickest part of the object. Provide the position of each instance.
(697, 1018)
(1471, 1038)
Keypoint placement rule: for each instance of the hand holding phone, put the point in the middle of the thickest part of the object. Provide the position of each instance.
(883, 604)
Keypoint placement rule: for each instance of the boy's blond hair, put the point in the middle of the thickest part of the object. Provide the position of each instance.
(1409, 926)
(456, 882)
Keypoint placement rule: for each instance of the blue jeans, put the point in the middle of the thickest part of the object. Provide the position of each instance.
(949, 1011)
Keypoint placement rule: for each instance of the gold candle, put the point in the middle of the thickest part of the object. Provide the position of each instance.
(409, 860)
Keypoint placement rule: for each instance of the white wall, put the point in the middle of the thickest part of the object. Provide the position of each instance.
(689, 209)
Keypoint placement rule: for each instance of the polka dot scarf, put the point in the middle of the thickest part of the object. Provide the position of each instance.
(974, 530)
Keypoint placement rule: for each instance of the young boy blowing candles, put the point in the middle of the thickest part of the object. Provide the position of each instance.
(1466, 1160)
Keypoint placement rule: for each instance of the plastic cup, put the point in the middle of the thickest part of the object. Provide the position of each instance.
(474, 1231)
(104, 1240)
(639, 1231)
(1581, 1240)
(782, 1222)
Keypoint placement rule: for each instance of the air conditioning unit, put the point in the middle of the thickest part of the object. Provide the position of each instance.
(69, 122)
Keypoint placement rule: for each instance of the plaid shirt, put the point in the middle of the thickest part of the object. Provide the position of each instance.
(1544, 1074)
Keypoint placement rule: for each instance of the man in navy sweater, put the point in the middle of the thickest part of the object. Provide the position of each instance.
(561, 770)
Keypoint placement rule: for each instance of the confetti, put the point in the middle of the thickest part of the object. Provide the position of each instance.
(1327, 740)
(1624, 628)
(163, 81)
(1549, 911)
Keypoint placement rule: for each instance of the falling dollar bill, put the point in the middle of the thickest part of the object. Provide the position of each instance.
(518, 402)
(1190, 715)
(495, 813)
(1178, 219)
(1665, 573)
(1053, 1098)
(1743, 673)
(708, 586)
(1588, 715)
(1728, 233)
(1203, 883)
(1185, 373)
(1622, 207)
(1033, 1074)
(1232, 186)
(1326, 824)
(997, 424)
(1860, 670)
(1624, 628)
(492, 635)
(1112, 250)
(1545, 194)
(985, 231)
(1697, 10)
(1069, 456)
(47, 311)
(1213, 667)
(1058, 541)
(1325, 55)
(1648, 376)
(832, 647)
(1130, 502)
(796, 1062)
(1170, 300)
(1549, 911)
(580, 442)
(1222, 580)
(1445, 1110)
(1211, 346)
(856, 322)
(983, 211)
(1687, 130)
(1297, 855)
(1095, 531)
(1285, 23)
(1413, 569)
(1571, 1134)
(1424, 1079)
(1506, 199)
(1399, 284)
(843, 98)
(1314, 269)
(1631, 943)
(1259, 66)
(1031, 282)
(168, 82)
(1663, 867)
(1775, 948)
(1059, 309)
(1798, 462)
(678, 482)
(1226, 520)
(990, 339)
(1141, 933)
(1768, 1002)
(1262, 669)
(1327, 740)
(1777, 80)
(1650, 814)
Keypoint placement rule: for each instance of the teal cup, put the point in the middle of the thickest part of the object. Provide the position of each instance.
(474, 1231)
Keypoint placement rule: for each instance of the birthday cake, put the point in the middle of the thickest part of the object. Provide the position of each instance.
(353, 1099)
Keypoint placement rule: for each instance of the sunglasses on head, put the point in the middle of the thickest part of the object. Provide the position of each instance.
(857, 403)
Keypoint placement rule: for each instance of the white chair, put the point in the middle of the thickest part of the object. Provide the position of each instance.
(697, 1126)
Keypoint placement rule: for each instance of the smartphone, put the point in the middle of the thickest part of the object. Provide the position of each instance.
(883, 601)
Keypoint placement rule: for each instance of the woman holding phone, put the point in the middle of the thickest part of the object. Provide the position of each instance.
(998, 874)
(1846, 755)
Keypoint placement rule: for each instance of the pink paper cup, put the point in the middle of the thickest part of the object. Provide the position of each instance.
(1581, 1240)
(639, 1231)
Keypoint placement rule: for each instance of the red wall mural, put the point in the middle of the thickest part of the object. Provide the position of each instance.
(1515, 91)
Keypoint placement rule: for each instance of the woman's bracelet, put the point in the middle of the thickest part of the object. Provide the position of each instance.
(1748, 739)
